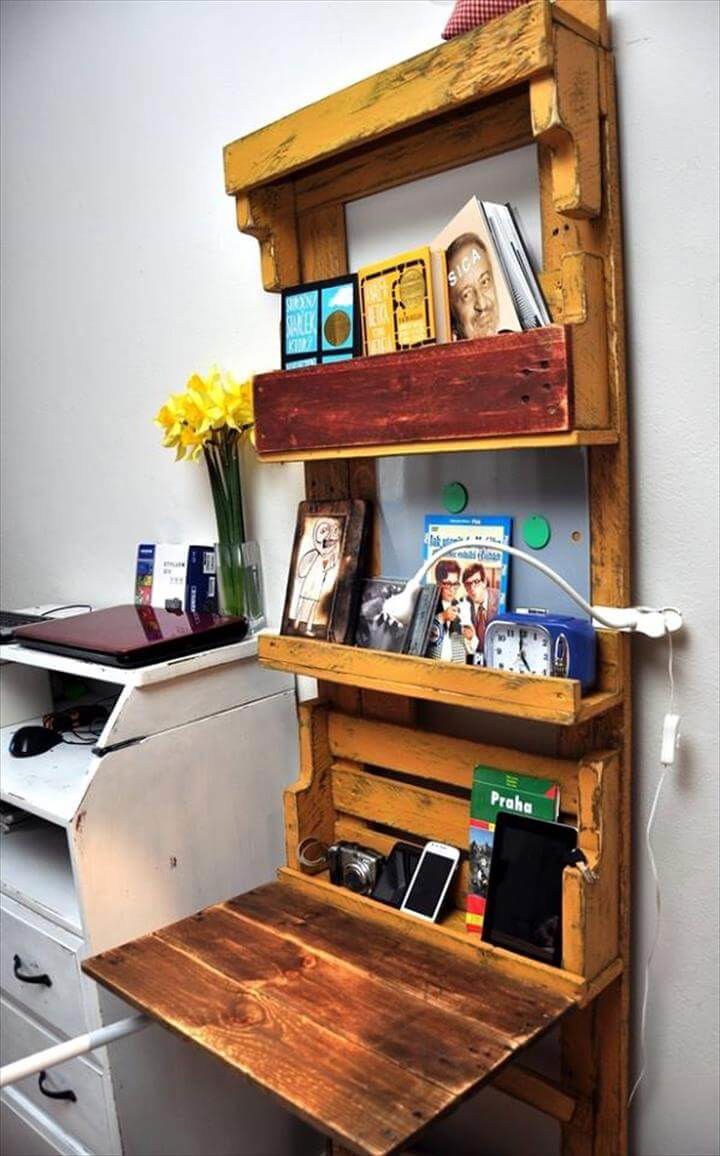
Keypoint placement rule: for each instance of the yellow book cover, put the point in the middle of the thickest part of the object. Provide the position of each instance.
(396, 298)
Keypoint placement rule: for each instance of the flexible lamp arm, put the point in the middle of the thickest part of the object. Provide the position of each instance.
(640, 619)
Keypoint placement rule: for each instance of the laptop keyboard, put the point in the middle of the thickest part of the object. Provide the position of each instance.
(11, 619)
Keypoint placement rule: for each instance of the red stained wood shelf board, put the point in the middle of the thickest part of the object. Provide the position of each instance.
(513, 384)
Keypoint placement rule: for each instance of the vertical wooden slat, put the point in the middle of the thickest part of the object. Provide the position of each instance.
(604, 1130)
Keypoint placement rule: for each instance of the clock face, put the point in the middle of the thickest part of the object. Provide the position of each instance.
(518, 649)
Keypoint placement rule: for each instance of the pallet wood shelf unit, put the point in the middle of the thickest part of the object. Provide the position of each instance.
(555, 700)
(310, 962)
(514, 385)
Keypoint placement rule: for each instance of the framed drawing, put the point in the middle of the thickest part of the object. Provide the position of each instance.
(328, 558)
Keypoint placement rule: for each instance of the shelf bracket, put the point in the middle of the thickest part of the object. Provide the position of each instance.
(565, 112)
(268, 214)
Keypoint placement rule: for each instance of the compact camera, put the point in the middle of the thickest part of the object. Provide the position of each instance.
(354, 867)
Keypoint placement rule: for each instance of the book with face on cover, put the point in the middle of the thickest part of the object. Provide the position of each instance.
(489, 281)
(479, 298)
(396, 303)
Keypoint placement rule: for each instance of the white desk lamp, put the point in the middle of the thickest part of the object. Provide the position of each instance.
(636, 619)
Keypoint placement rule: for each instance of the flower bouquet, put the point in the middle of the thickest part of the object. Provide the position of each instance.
(208, 421)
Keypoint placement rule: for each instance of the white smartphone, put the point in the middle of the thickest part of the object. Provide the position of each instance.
(431, 879)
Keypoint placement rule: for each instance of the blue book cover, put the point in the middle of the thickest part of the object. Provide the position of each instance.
(473, 582)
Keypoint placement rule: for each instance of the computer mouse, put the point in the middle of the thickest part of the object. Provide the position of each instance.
(29, 741)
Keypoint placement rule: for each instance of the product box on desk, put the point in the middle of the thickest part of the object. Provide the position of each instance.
(182, 576)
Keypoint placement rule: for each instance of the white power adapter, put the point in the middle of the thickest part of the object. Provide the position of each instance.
(670, 739)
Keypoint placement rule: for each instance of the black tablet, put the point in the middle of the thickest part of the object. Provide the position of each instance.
(523, 912)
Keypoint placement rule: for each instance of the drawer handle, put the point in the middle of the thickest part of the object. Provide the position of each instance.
(17, 964)
(66, 1095)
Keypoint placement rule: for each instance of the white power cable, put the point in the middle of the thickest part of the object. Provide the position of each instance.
(658, 895)
(654, 622)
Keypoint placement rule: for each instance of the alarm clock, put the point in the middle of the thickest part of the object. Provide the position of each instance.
(542, 644)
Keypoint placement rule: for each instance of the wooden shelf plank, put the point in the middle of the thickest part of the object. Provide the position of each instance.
(399, 1030)
(451, 937)
(506, 52)
(515, 383)
(591, 437)
(555, 700)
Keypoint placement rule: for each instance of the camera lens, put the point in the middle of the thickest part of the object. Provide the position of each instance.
(356, 877)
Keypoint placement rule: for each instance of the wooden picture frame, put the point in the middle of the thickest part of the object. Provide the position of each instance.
(327, 561)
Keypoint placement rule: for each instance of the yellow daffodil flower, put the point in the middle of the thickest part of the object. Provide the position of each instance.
(212, 405)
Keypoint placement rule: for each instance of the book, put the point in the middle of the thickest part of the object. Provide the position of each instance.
(173, 576)
(320, 323)
(489, 282)
(511, 249)
(494, 791)
(473, 583)
(396, 303)
(374, 632)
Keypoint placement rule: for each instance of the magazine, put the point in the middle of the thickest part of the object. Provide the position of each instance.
(494, 791)
(472, 583)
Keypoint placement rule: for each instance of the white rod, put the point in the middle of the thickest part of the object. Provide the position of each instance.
(67, 1050)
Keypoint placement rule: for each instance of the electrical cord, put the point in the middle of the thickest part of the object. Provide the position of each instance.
(658, 894)
(72, 606)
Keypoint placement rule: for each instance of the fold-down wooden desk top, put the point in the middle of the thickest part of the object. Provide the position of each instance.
(366, 1033)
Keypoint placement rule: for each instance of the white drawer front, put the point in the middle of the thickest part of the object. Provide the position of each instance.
(42, 949)
(86, 1117)
(27, 1132)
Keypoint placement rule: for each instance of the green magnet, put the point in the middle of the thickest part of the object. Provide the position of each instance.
(455, 497)
(536, 532)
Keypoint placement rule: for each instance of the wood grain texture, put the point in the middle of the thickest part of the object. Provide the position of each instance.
(497, 56)
(515, 383)
(398, 1033)
(495, 691)
(588, 17)
(583, 306)
(604, 1080)
(546, 1095)
(565, 116)
(451, 936)
(441, 758)
(549, 441)
(471, 134)
(269, 216)
(424, 813)
(308, 802)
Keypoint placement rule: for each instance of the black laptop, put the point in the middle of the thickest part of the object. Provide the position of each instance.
(132, 636)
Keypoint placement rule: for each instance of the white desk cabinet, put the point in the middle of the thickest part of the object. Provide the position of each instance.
(174, 808)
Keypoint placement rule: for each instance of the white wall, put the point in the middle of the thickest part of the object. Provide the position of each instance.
(123, 272)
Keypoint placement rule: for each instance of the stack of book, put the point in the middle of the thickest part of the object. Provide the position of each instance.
(475, 279)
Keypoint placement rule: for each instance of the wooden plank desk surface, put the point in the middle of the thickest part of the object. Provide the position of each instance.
(365, 1033)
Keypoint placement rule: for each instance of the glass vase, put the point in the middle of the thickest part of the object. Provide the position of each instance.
(239, 581)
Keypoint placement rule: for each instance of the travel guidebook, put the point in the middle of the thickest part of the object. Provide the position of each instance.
(494, 791)
(472, 582)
